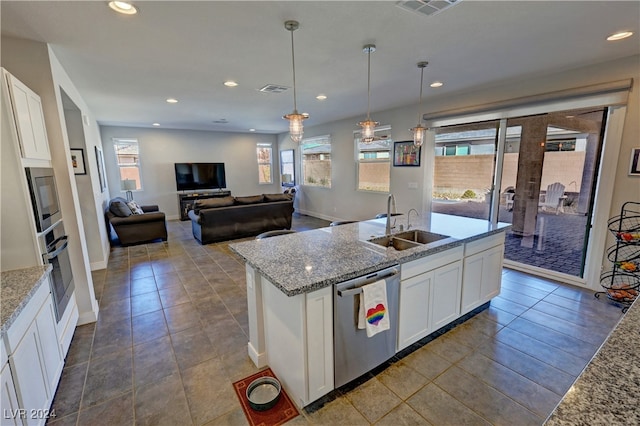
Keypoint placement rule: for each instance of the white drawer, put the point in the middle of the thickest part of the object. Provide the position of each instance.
(431, 262)
(483, 244)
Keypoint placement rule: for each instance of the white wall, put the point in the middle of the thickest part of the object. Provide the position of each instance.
(36, 66)
(161, 148)
(343, 201)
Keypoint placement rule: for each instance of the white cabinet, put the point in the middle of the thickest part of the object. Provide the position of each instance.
(35, 356)
(298, 334)
(429, 294)
(482, 271)
(29, 120)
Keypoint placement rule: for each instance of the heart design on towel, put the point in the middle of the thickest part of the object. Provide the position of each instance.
(375, 315)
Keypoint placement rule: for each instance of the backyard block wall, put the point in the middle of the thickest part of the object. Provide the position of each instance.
(456, 174)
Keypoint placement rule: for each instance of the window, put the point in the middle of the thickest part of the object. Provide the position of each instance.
(316, 161)
(287, 169)
(128, 159)
(374, 161)
(263, 152)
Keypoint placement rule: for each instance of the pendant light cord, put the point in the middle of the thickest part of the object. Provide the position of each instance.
(368, 83)
(420, 102)
(293, 60)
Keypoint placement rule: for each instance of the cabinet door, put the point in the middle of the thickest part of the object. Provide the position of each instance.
(492, 273)
(413, 321)
(27, 111)
(9, 403)
(51, 355)
(445, 294)
(320, 342)
(30, 375)
(474, 267)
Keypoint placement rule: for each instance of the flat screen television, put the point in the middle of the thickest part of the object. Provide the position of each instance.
(198, 176)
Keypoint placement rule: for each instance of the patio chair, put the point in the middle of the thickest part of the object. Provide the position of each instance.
(554, 198)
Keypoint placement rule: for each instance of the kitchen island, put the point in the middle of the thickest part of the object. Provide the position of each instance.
(290, 282)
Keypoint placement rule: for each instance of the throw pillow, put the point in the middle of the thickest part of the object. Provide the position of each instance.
(119, 208)
(135, 208)
(277, 197)
(252, 199)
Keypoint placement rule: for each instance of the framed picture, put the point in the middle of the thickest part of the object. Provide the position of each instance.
(406, 154)
(634, 164)
(101, 176)
(77, 161)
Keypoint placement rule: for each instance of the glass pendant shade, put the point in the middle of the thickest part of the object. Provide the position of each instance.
(418, 134)
(368, 130)
(296, 129)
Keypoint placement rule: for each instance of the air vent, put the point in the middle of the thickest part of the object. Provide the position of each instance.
(273, 88)
(426, 7)
(221, 121)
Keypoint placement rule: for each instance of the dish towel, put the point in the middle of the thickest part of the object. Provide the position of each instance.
(373, 315)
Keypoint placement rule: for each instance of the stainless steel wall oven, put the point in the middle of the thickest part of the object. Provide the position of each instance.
(44, 196)
(54, 248)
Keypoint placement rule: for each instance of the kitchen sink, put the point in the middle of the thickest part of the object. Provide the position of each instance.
(422, 237)
(396, 243)
(408, 239)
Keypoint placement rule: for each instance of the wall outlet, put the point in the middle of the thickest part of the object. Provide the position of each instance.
(413, 185)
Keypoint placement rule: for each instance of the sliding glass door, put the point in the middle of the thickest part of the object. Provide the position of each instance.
(546, 166)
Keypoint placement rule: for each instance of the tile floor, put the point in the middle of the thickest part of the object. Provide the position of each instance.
(172, 334)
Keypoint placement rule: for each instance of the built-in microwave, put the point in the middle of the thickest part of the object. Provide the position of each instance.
(44, 197)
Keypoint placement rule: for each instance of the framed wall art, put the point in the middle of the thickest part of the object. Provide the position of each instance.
(77, 161)
(101, 175)
(634, 163)
(406, 154)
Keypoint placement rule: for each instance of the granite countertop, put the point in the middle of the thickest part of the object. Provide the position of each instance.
(16, 289)
(306, 261)
(608, 390)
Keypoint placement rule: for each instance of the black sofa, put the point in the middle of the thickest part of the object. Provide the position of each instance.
(228, 218)
(133, 228)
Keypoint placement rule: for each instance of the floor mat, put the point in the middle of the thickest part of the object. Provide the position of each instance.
(282, 412)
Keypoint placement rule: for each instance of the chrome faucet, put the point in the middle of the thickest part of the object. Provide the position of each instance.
(390, 200)
(409, 217)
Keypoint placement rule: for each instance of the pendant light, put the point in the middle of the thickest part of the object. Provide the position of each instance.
(419, 131)
(368, 126)
(295, 119)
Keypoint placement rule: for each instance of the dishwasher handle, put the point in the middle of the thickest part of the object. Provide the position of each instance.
(357, 290)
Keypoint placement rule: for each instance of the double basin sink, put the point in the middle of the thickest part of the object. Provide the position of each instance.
(407, 239)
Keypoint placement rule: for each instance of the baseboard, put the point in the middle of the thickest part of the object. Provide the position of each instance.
(173, 217)
(91, 316)
(317, 215)
(96, 266)
(260, 360)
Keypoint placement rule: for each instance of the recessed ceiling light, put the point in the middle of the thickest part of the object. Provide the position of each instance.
(123, 7)
(172, 101)
(437, 84)
(321, 97)
(156, 124)
(619, 35)
(252, 130)
(230, 83)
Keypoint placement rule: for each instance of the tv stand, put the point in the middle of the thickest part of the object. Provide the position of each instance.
(186, 200)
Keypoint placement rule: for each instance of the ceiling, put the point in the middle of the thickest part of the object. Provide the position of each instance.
(125, 67)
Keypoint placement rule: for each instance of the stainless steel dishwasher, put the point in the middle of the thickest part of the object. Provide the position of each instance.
(354, 352)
